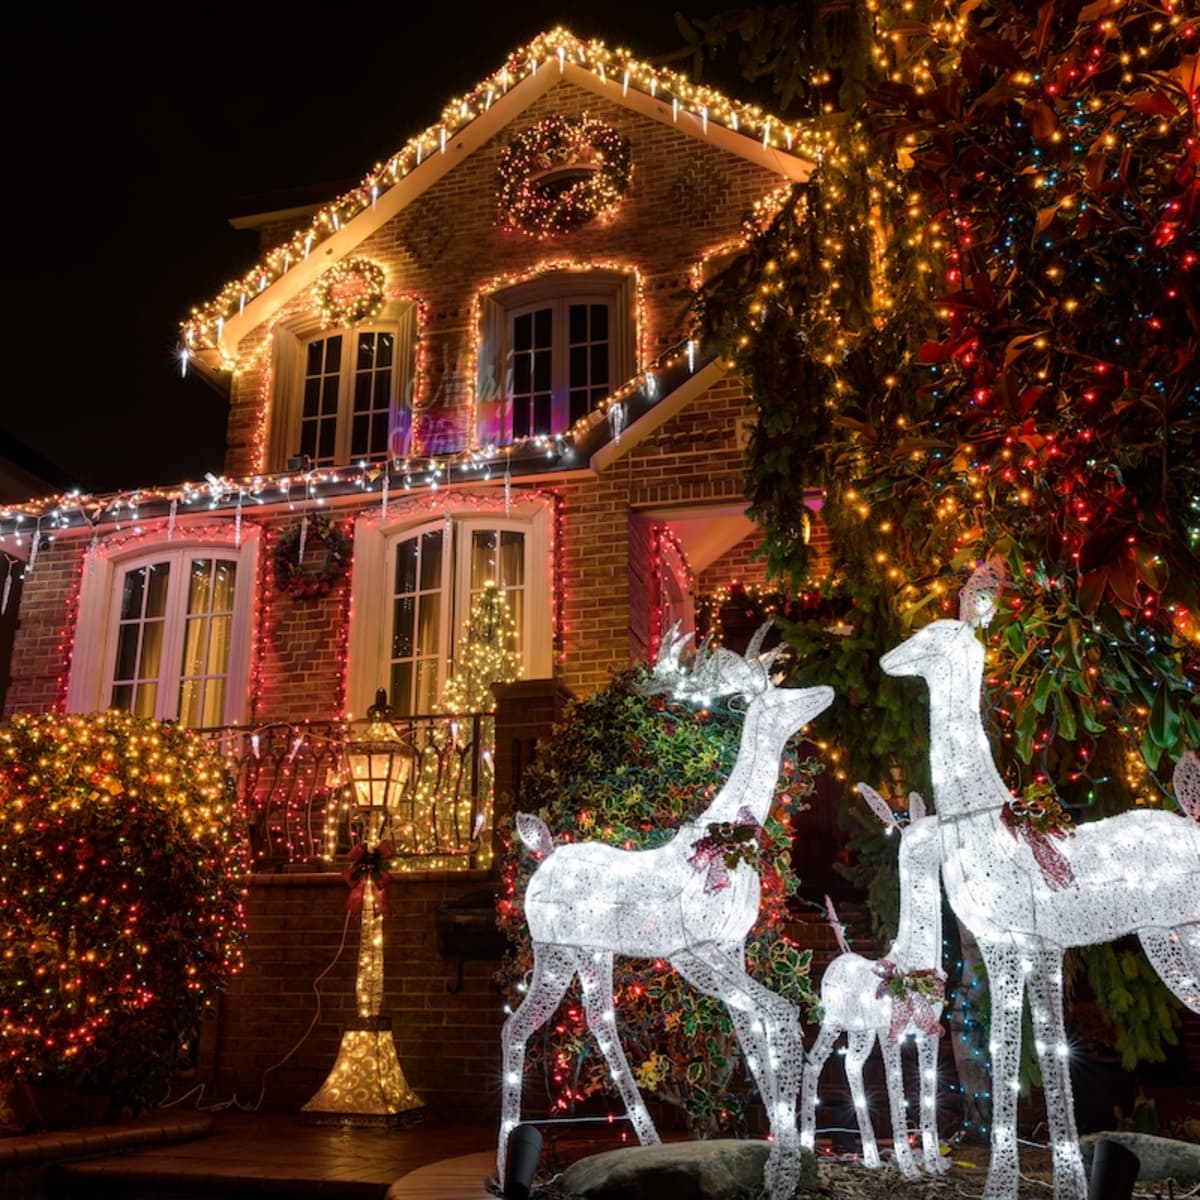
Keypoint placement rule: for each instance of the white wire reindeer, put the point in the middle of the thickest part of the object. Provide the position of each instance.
(587, 902)
(858, 998)
(1027, 898)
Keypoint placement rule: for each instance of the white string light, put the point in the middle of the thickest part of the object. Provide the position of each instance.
(901, 996)
(1138, 872)
(588, 901)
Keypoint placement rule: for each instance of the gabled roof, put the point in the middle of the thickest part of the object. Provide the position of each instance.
(211, 335)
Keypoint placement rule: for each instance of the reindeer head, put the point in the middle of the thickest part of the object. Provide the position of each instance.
(716, 672)
(927, 651)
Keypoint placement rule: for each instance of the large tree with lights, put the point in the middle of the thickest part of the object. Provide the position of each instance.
(977, 331)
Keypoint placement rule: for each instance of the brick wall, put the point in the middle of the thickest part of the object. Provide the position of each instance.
(447, 1031)
(685, 197)
(43, 637)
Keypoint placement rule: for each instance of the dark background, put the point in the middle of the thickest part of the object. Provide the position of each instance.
(128, 145)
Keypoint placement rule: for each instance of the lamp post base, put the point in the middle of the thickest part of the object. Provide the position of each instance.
(366, 1085)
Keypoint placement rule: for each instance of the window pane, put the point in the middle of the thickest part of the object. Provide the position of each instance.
(326, 441)
(599, 329)
(225, 580)
(542, 365)
(122, 697)
(127, 646)
(541, 414)
(427, 682)
(156, 599)
(512, 559)
(578, 373)
(312, 394)
(523, 332)
(329, 396)
(578, 323)
(522, 375)
(194, 647)
(200, 586)
(145, 698)
(406, 566)
(431, 561)
(333, 354)
(316, 356)
(384, 349)
(403, 609)
(428, 625)
(483, 557)
(362, 393)
(599, 365)
(401, 690)
(133, 593)
(542, 327)
(150, 660)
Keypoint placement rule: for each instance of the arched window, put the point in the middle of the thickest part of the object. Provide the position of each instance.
(163, 630)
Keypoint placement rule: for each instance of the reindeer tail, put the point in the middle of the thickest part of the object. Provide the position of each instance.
(839, 930)
(1187, 784)
(535, 833)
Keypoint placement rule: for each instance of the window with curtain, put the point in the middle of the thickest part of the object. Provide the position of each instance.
(172, 637)
(435, 574)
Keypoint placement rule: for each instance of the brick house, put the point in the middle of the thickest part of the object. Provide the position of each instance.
(475, 366)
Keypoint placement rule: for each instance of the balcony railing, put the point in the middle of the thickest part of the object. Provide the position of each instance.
(293, 782)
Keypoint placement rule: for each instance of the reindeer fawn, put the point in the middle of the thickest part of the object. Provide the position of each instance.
(887, 1001)
(1027, 898)
(587, 901)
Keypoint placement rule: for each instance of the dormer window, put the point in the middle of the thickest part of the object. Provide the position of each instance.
(551, 351)
(344, 395)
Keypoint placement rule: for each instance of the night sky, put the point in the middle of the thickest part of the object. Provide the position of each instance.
(128, 146)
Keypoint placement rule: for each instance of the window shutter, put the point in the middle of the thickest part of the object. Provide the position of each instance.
(493, 383)
(285, 417)
(400, 439)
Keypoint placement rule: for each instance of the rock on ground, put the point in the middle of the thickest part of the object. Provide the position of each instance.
(1161, 1158)
(723, 1169)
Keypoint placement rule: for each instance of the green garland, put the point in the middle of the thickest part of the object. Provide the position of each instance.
(292, 578)
(541, 206)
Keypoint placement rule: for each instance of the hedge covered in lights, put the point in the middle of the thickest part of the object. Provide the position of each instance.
(120, 900)
(629, 769)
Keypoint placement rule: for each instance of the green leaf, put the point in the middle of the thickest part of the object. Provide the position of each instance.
(1164, 720)
(1065, 711)
(1042, 689)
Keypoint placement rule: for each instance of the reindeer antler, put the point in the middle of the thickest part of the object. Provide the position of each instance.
(714, 671)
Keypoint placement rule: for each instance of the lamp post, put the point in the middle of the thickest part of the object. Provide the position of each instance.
(366, 1085)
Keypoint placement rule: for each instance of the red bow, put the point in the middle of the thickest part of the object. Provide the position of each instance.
(366, 866)
(911, 1005)
(1056, 869)
(710, 853)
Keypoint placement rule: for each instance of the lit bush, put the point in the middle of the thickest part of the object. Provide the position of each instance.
(121, 864)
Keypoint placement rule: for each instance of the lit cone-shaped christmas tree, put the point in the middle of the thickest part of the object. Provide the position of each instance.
(487, 653)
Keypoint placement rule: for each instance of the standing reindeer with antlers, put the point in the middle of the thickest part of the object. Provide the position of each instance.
(1028, 893)
(889, 1000)
(588, 901)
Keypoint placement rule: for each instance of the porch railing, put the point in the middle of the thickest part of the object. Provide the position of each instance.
(293, 783)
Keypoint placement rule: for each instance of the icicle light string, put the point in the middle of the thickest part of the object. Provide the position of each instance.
(71, 510)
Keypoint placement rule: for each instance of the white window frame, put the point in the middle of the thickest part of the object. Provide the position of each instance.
(368, 646)
(559, 290)
(90, 685)
(289, 364)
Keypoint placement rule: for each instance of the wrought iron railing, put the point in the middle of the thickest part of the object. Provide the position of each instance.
(293, 782)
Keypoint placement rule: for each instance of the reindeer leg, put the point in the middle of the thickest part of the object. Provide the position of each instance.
(859, 1043)
(767, 1028)
(814, 1061)
(1175, 955)
(1046, 1007)
(596, 972)
(1006, 983)
(927, 1058)
(553, 970)
(894, 1071)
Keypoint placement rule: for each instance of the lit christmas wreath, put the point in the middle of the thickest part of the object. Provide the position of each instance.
(352, 291)
(290, 576)
(561, 174)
